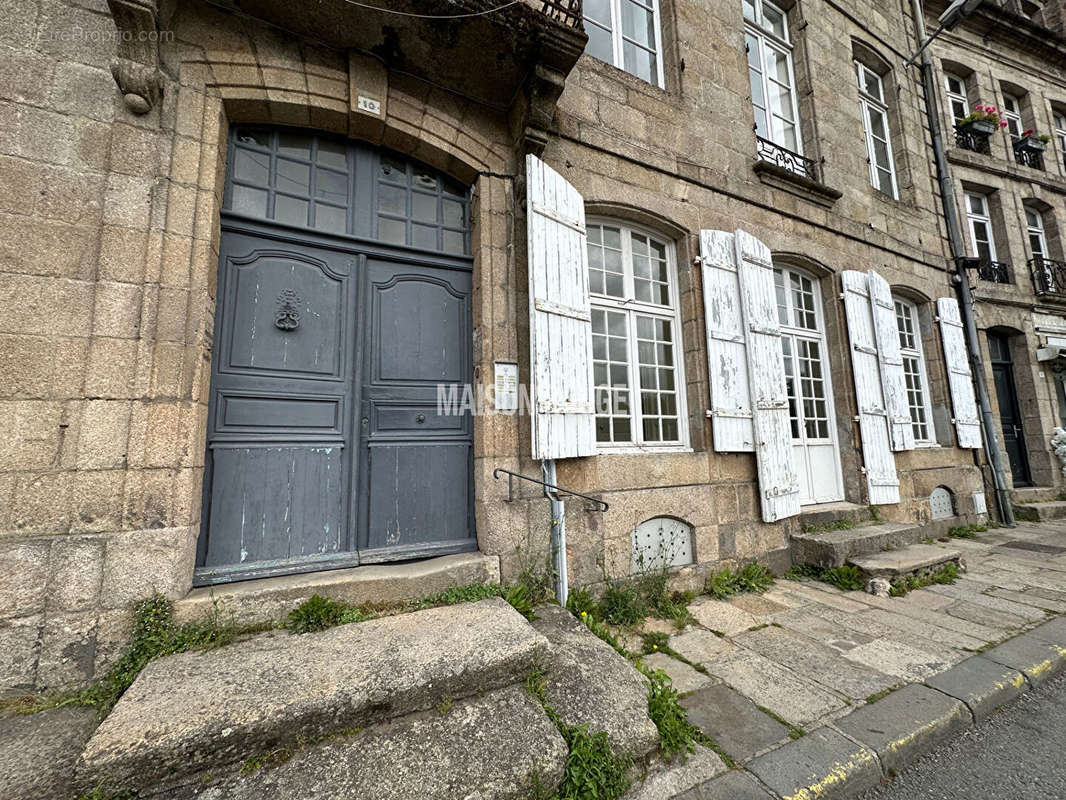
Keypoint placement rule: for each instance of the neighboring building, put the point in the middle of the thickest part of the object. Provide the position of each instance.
(234, 284)
(1012, 200)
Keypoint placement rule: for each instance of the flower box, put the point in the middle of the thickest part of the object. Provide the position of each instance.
(979, 127)
(1030, 143)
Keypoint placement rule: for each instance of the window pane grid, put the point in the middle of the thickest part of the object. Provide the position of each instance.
(770, 76)
(625, 33)
(635, 371)
(913, 370)
(812, 388)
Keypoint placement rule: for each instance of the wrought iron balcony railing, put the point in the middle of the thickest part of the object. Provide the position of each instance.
(991, 271)
(773, 153)
(1049, 276)
(968, 140)
(1029, 158)
(567, 12)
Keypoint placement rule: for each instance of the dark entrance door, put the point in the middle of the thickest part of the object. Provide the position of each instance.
(1010, 417)
(325, 446)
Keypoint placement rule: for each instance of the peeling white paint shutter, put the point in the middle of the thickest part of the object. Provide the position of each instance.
(778, 483)
(727, 364)
(869, 397)
(893, 381)
(967, 424)
(560, 327)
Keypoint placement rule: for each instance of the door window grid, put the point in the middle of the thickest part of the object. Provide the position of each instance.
(958, 102)
(804, 377)
(980, 222)
(875, 123)
(770, 73)
(636, 373)
(626, 34)
(308, 180)
(1012, 112)
(1034, 224)
(910, 344)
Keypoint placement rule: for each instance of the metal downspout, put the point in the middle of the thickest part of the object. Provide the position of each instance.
(558, 532)
(960, 279)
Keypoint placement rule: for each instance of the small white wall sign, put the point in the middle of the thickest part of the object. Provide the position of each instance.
(506, 385)
(369, 105)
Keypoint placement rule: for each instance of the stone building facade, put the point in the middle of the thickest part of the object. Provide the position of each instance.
(122, 127)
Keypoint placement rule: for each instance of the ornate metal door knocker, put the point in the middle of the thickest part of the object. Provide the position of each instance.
(287, 317)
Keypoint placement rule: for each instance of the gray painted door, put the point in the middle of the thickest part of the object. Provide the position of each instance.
(325, 448)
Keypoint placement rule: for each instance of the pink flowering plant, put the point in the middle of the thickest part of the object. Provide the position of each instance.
(1032, 134)
(985, 113)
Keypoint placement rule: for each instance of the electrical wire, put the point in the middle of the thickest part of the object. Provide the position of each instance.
(433, 16)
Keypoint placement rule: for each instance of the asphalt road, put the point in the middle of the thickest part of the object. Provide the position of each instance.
(1017, 754)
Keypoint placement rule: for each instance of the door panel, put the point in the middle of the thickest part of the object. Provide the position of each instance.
(418, 462)
(1010, 417)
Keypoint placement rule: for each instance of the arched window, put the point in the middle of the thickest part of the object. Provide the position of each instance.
(636, 338)
(914, 372)
(874, 105)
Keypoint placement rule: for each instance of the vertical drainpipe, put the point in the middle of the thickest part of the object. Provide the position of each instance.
(960, 279)
(558, 532)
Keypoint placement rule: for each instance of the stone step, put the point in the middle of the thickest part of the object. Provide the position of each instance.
(1040, 512)
(915, 559)
(1035, 494)
(827, 513)
(488, 748)
(834, 548)
(195, 712)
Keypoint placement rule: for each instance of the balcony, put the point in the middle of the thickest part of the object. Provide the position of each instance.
(974, 141)
(773, 153)
(1028, 152)
(1049, 277)
(991, 271)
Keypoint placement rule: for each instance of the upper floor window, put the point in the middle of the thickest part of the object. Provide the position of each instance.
(1059, 118)
(910, 346)
(773, 83)
(980, 222)
(1012, 113)
(875, 122)
(958, 101)
(636, 338)
(626, 33)
(1034, 228)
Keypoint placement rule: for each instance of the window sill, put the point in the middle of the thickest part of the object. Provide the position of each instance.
(631, 450)
(783, 178)
(927, 445)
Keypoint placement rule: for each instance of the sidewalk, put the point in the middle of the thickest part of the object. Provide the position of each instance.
(821, 693)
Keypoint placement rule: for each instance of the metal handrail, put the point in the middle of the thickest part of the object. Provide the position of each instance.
(558, 489)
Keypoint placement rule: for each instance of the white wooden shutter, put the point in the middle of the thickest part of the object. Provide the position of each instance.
(869, 397)
(893, 381)
(727, 360)
(560, 326)
(960, 380)
(778, 482)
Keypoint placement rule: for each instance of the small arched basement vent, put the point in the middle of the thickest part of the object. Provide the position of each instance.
(941, 503)
(661, 543)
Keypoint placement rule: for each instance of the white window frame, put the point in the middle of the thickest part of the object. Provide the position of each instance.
(956, 97)
(633, 308)
(917, 353)
(618, 38)
(1059, 120)
(1013, 115)
(1035, 230)
(875, 104)
(980, 216)
(783, 46)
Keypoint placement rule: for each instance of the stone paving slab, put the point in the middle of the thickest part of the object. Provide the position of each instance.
(823, 764)
(1036, 597)
(973, 594)
(734, 785)
(983, 685)
(676, 780)
(1038, 659)
(820, 629)
(776, 688)
(587, 682)
(700, 646)
(684, 677)
(197, 711)
(1053, 631)
(906, 724)
(733, 721)
(878, 629)
(718, 615)
(900, 660)
(817, 662)
(485, 748)
(956, 626)
(984, 615)
(828, 596)
(38, 752)
(910, 626)
(759, 606)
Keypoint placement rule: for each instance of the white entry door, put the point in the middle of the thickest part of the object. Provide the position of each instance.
(810, 390)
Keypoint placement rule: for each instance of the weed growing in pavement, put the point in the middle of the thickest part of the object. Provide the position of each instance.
(794, 732)
(825, 527)
(99, 793)
(949, 573)
(883, 693)
(318, 613)
(966, 531)
(753, 578)
(845, 578)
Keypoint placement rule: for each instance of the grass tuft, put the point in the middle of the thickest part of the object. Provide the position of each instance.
(825, 527)
(967, 531)
(753, 578)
